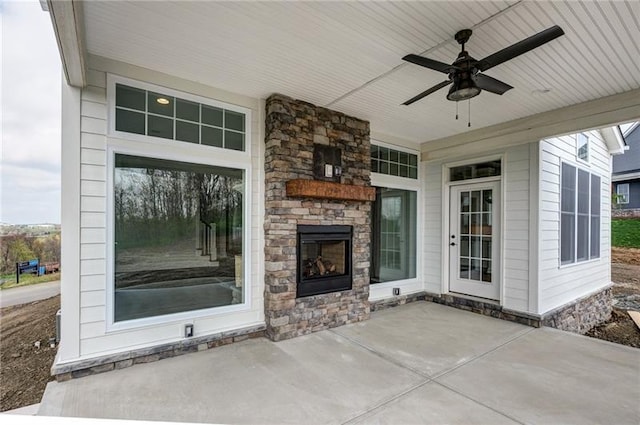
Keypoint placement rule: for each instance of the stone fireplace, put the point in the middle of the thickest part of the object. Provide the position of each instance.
(297, 199)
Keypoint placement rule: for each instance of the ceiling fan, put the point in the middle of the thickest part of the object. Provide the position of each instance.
(465, 72)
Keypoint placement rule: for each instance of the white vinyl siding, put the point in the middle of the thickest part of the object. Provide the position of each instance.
(94, 339)
(432, 249)
(559, 284)
(516, 219)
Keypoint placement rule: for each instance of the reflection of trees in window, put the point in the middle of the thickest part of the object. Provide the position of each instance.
(156, 206)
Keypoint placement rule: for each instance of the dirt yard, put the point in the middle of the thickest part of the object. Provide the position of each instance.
(625, 272)
(24, 370)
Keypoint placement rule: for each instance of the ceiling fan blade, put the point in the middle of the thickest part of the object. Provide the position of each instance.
(519, 48)
(430, 63)
(428, 92)
(491, 84)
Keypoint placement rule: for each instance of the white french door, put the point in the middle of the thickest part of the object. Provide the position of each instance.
(474, 240)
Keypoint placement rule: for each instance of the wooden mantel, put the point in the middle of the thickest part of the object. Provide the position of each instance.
(301, 188)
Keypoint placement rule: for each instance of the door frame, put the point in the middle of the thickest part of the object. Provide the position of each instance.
(445, 214)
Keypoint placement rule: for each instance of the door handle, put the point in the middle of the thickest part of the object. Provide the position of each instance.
(452, 244)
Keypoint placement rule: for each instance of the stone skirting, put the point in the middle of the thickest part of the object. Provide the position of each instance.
(292, 128)
(581, 315)
(485, 308)
(396, 301)
(64, 372)
(625, 213)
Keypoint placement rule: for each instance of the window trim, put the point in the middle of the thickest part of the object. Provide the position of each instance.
(165, 152)
(588, 138)
(575, 261)
(628, 193)
(113, 79)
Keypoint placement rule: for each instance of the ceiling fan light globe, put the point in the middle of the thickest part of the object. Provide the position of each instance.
(463, 89)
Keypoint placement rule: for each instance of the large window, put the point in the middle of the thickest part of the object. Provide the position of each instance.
(393, 248)
(580, 215)
(157, 114)
(178, 237)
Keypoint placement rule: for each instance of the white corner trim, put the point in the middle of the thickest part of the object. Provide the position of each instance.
(613, 139)
(70, 208)
(66, 17)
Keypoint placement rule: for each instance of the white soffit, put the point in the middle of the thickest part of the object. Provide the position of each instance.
(347, 55)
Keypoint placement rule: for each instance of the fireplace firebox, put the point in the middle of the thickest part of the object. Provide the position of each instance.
(324, 259)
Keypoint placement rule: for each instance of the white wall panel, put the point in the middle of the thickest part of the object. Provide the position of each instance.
(562, 284)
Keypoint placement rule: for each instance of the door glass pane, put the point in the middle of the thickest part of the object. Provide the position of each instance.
(178, 233)
(476, 201)
(476, 228)
(486, 271)
(464, 246)
(464, 268)
(475, 246)
(475, 271)
(487, 200)
(464, 224)
(486, 224)
(464, 201)
(486, 248)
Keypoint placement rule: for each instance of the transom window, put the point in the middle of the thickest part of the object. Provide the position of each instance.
(580, 215)
(158, 114)
(475, 171)
(393, 162)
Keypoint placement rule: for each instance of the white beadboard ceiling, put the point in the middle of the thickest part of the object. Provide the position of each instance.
(347, 55)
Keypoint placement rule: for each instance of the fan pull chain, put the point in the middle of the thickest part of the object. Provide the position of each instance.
(456, 109)
(469, 116)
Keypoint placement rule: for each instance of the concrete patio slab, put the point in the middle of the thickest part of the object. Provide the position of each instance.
(430, 338)
(418, 363)
(433, 404)
(550, 376)
(318, 378)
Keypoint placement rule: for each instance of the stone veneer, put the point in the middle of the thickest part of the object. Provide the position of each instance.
(581, 315)
(292, 128)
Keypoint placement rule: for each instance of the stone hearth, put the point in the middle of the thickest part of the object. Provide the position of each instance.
(292, 128)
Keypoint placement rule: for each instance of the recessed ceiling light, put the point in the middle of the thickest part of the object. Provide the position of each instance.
(162, 101)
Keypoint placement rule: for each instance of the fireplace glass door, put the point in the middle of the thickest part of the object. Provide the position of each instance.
(324, 259)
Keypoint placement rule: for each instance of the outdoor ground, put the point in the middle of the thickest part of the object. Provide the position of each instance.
(24, 370)
(625, 272)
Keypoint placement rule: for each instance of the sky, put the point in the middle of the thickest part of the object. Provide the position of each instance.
(30, 83)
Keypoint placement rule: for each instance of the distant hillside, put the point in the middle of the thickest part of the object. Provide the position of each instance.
(29, 229)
